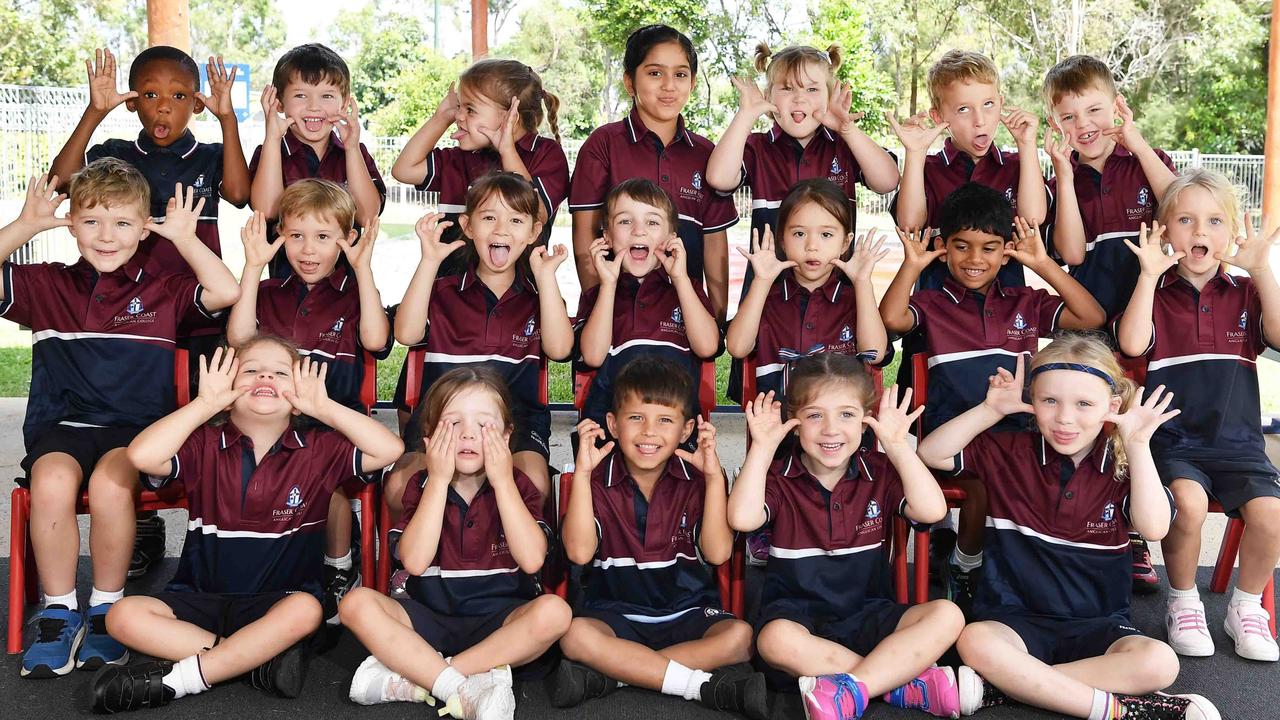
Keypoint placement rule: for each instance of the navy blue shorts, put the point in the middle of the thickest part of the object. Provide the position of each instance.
(860, 632)
(692, 625)
(222, 614)
(452, 634)
(1056, 640)
(1231, 481)
(86, 445)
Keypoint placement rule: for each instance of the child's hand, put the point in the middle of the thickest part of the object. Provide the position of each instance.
(1058, 148)
(309, 395)
(607, 270)
(764, 261)
(672, 257)
(590, 456)
(1004, 391)
(751, 102)
(915, 132)
(347, 122)
(43, 199)
(764, 421)
(272, 115)
(893, 420)
(360, 255)
(837, 117)
(1023, 126)
(706, 458)
(866, 253)
(257, 251)
(442, 449)
(1253, 253)
(429, 229)
(218, 101)
(217, 378)
(449, 104)
(497, 456)
(1137, 424)
(503, 137)
(544, 264)
(915, 248)
(1150, 251)
(1126, 134)
(1028, 248)
(103, 96)
(180, 216)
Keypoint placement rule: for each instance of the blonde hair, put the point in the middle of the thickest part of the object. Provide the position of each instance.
(319, 198)
(1075, 75)
(1217, 184)
(1091, 350)
(110, 182)
(792, 63)
(501, 80)
(960, 66)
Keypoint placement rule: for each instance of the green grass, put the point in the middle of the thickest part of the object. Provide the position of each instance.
(15, 371)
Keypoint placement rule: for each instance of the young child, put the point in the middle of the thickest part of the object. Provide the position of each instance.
(975, 324)
(473, 540)
(312, 131)
(653, 142)
(965, 101)
(1052, 604)
(826, 613)
(649, 518)
(103, 333)
(813, 135)
(1200, 331)
(645, 304)
(246, 592)
(814, 295)
(331, 310)
(505, 311)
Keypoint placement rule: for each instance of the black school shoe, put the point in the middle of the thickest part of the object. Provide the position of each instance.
(737, 691)
(337, 583)
(282, 675)
(131, 687)
(572, 683)
(148, 544)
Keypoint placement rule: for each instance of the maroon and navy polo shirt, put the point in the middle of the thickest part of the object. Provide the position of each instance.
(1204, 349)
(1011, 320)
(830, 551)
(1113, 205)
(324, 321)
(626, 149)
(257, 527)
(773, 162)
(1057, 541)
(648, 566)
(473, 572)
(102, 345)
(647, 321)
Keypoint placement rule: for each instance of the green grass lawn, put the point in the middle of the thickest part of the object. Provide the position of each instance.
(15, 371)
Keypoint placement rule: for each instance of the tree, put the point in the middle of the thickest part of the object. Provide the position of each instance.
(838, 22)
(379, 46)
(37, 46)
(419, 89)
(242, 31)
(909, 38)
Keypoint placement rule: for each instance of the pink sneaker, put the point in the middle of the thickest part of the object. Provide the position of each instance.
(833, 697)
(933, 691)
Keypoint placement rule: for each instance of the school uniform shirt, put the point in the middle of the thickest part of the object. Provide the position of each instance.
(102, 345)
(647, 321)
(1113, 206)
(473, 572)
(1057, 540)
(648, 566)
(324, 321)
(773, 162)
(257, 527)
(1204, 349)
(830, 548)
(968, 336)
(626, 149)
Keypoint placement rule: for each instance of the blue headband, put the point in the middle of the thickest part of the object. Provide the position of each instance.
(1078, 367)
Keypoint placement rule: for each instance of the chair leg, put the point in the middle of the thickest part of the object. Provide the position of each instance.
(738, 582)
(17, 568)
(384, 552)
(900, 559)
(922, 567)
(368, 538)
(1227, 555)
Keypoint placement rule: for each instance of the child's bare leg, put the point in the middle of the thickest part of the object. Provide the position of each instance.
(593, 643)
(973, 518)
(384, 628)
(1260, 546)
(149, 626)
(524, 637)
(728, 642)
(791, 648)
(998, 654)
(337, 534)
(535, 466)
(1133, 665)
(1181, 547)
(55, 537)
(113, 487)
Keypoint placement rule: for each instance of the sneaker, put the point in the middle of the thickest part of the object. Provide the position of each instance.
(1159, 706)
(148, 544)
(832, 697)
(758, 544)
(1247, 624)
(737, 691)
(282, 675)
(337, 583)
(131, 687)
(1145, 579)
(99, 648)
(484, 696)
(933, 691)
(942, 543)
(375, 683)
(52, 652)
(572, 683)
(976, 693)
(960, 584)
(1188, 630)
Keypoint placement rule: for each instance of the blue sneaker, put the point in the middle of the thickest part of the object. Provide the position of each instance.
(99, 648)
(58, 633)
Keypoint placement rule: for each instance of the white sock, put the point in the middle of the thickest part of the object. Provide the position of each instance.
(104, 597)
(68, 601)
(1101, 709)
(964, 561)
(694, 689)
(1239, 597)
(1191, 593)
(447, 683)
(186, 678)
(342, 563)
(676, 680)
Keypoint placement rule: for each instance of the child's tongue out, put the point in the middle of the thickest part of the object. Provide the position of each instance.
(498, 254)
(160, 132)
(639, 252)
(1199, 251)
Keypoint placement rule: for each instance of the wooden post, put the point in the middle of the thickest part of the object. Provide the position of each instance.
(480, 28)
(169, 23)
(1271, 163)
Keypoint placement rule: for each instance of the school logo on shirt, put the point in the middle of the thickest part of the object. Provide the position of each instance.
(676, 316)
(697, 180)
(835, 166)
(1244, 319)
(684, 532)
(873, 510)
(1241, 335)
(337, 326)
(1144, 196)
(135, 306)
(293, 504)
(846, 334)
(1109, 512)
(1020, 329)
(529, 327)
(1008, 194)
(522, 337)
(199, 183)
(134, 313)
(1019, 323)
(295, 497)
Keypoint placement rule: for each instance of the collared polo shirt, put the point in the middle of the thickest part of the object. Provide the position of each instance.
(773, 162)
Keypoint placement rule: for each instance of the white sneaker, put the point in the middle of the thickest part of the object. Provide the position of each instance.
(1188, 629)
(375, 683)
(484, 696)
(1246, 623)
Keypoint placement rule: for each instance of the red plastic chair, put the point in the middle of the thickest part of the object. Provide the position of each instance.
(1226, 560)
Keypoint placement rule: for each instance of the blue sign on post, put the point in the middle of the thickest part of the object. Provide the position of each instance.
(239, 89)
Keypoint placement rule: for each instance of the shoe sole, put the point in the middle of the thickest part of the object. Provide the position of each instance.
(97, 662)
(969, 687)
(1201, 703)
(1190, 652)
(45, 672)
(1269, 657)
(359, 694)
